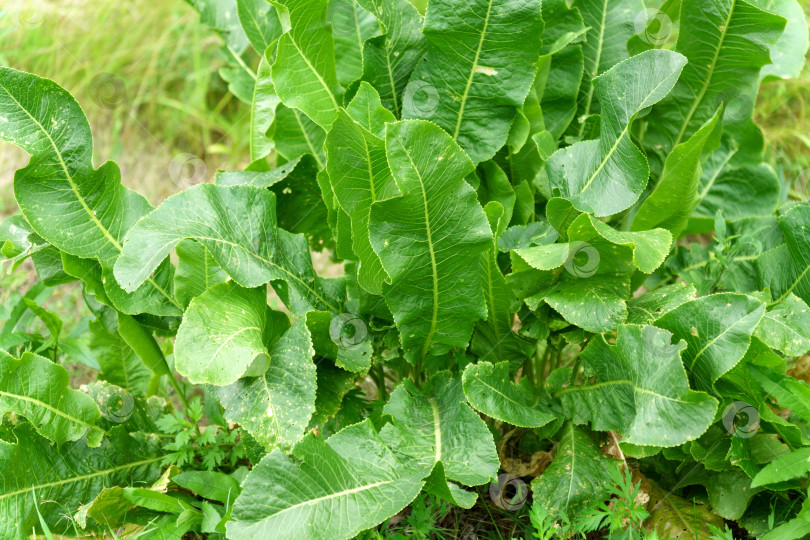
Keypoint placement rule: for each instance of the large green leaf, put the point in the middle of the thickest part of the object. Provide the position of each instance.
(676, 518)
(646, 308)
(300, 203)
(430, 239)
(197, 271)
(725, 58)
(478, 69)
(577, 475)
(58, 481)
(262, 111)
(588, 278)
(237, 224)
(786, 326)
(434, 424)
(388, 60)
(610, 24)
(642, 369)
(491, 390)
(607, 175)
(675, 196)
(338, 488)
(222, 334)
(81, 210)
(260, 23)
(741, 192)
(294, 134)
(359, 174)
(304, 71)
(494, 339)
(276, 406)
(717, 330)
(786, 268)
(37, 389)
(222, 16)
(788, 54)
(118, 362)
(351, 27)
(562, 69)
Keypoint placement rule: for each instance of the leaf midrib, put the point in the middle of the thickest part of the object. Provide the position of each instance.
(314, 71)
(50, 408)
(272, 264)
(80, 478)
(595, 74)
(437, 431)
(708, 78)
(621, 136)
(472, 71)
(717, 337)
(433, 266)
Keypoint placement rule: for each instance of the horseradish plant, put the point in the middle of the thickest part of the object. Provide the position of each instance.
(520, 197)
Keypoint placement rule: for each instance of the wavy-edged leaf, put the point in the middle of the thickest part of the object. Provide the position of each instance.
(490, 390)
(81, 210)
(725, 58)
(276, 406)
(222, 334)
(477, 71)
(606, 175)
(340, 487)
(430, 239)
(300, 205)
(304, 71)
(562, 70)
(342, 338)
(237, 224)
(717, 330)
(741, 192)
(222, 16)
(37, 389)
(494, 340)
(434, 424)
(577, 475)
(588, 278)
(63, 479)
(388, 60)
(646, 373)
(359, 174)
(294, 134)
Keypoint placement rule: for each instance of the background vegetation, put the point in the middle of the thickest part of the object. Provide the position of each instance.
(146, 73)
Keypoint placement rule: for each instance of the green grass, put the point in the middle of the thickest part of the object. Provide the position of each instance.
(145, 74)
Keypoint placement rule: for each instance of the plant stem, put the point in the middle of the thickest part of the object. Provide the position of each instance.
(379, 379)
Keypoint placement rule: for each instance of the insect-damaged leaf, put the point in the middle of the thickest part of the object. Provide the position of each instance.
(275, 406)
